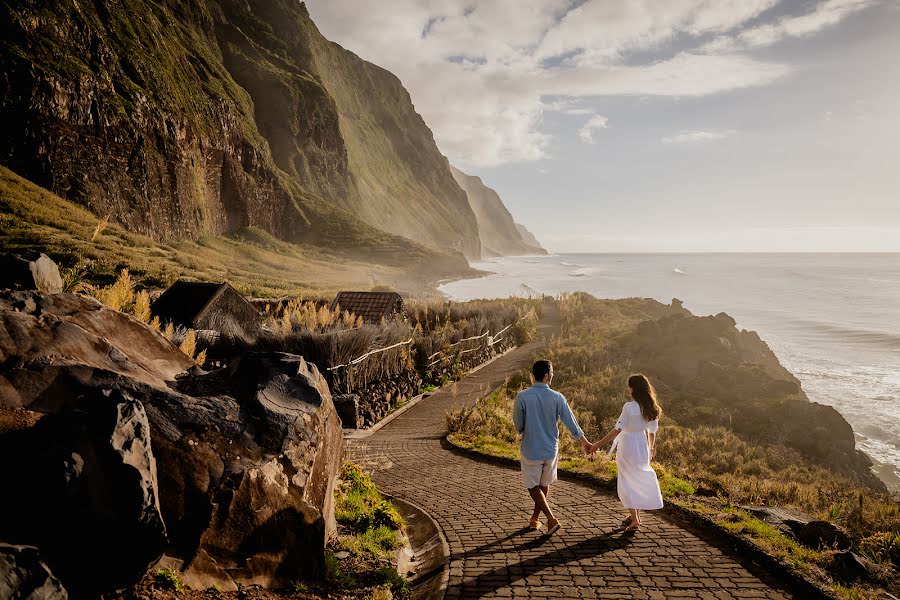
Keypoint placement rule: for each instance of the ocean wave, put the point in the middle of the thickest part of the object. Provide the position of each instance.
(582, 272)
(568, 264)
(857, 335)
(679, 271)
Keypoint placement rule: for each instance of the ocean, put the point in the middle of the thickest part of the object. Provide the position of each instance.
(832, 319)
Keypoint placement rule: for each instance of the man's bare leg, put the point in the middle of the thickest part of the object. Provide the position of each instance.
(540, 503)
(537, 511)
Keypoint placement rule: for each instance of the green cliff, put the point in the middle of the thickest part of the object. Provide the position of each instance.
(188, 119)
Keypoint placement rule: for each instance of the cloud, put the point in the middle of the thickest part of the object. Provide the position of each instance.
(698, 136)
(586, 133)
(482, 73)
(826, 14)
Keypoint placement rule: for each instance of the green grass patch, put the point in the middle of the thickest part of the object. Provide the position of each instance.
(360, 507)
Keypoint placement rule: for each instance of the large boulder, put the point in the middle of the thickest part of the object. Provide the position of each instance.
(24, 576)
(277, 475)
(50, 342)
(32, 272)
(228, 476)
(82, 488)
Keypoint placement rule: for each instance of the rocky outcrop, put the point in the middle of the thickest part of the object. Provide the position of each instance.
(498, 232)
(36, 272)
(229, 475)
(180, 119)
(711, 373)
(24, 576)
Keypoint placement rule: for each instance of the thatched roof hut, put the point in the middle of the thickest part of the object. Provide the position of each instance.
(203, 305)
(371, 306)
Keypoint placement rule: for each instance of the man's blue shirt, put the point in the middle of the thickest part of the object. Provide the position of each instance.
(536, 413)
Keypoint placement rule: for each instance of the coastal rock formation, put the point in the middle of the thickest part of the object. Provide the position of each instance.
(711, 373)
(180, 119)
(228, 476)
(24, 576)
(498, 232)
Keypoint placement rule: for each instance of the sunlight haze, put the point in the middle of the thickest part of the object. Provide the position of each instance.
(760, 125)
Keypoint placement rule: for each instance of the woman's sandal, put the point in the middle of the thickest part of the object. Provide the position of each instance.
(627, 520)
(632, 528)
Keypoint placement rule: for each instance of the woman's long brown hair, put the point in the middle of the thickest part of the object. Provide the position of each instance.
(644, 394)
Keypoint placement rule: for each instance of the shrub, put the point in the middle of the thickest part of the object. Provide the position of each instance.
(168, 579)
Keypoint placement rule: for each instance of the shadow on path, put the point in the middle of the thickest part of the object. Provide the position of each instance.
(501, 577)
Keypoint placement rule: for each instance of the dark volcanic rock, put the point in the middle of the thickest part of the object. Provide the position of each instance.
(789, 521)
(848, 566)
(822, 534)
(49, 341)
(24, 576)
(36, 272)
(230, 473)
(252, 477)
(347, 406)
(85, 493)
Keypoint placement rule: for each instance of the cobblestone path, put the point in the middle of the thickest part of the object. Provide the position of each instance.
(483, 509)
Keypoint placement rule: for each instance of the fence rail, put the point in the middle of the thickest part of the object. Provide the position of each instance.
(492, 339)
(359, 359)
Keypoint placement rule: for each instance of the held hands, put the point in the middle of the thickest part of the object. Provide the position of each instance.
(588, 447)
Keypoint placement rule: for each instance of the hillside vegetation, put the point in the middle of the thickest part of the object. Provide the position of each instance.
(253, 260)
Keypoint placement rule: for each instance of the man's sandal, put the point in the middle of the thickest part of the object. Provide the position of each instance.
(553, 527)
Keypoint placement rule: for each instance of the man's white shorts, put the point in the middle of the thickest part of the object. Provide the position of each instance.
(539, 472)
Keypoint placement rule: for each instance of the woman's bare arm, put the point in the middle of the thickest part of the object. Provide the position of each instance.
(606, 439)
(651, 437)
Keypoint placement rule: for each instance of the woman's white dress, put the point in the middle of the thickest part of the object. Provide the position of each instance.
(637, 485)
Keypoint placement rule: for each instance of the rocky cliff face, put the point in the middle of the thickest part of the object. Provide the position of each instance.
(528, 237)
(499, 234)
(180, 119)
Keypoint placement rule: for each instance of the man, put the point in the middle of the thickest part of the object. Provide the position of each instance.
(536, 412)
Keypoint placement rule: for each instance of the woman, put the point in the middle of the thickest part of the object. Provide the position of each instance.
(635, 435)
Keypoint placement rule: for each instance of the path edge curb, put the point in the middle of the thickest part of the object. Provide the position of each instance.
(444, 565)
(793, 582)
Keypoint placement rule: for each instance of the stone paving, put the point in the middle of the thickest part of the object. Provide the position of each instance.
(483, 509)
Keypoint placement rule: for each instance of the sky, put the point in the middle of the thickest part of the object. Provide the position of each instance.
(658, 125)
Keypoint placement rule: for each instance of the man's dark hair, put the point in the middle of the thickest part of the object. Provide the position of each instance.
(540, 369)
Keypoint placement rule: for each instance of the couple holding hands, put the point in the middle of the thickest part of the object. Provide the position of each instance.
(536, 412)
